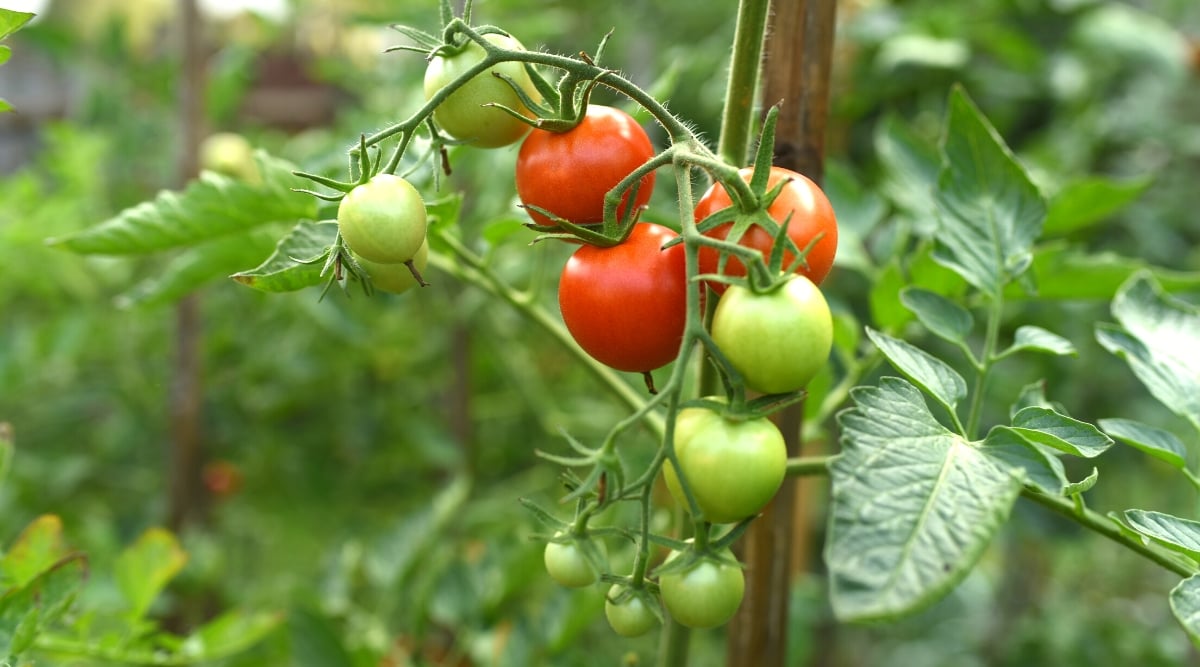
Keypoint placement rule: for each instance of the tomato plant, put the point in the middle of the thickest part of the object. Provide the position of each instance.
(626, 305)
(945, 499)
(628, 612)
(778, 340)
(810, 220)
(383, 220)
(705, 594)
(733, 467)
(568, 173)
(395, 278)
(569, 565)
(463, 115)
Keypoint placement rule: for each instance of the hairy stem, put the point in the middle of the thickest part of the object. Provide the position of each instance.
(743, 81)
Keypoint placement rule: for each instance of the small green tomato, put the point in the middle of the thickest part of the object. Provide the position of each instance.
(383, 220)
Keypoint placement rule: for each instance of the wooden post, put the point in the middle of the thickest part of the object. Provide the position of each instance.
(798, 60)
(185, 493)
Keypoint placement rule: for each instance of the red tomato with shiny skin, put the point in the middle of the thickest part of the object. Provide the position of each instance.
(568, 173)
(811, 212)
(626, 305)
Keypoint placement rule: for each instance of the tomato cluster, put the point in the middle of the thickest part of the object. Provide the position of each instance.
(624, 296)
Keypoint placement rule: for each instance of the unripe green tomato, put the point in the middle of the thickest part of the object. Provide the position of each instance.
(230, 154)
(778, 341)
(733, 468)
(569, 566)
(383, 220)
(395, 278)
(705, 595)
(462, 114)
(631, 617)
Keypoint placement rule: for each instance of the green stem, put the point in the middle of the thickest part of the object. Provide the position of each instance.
(989, 359)
(744, 65)
(736, 120)
(803, 466)
(707, 379)
(678, 131)
(673, 648)
(641, 559)
(1107, 527)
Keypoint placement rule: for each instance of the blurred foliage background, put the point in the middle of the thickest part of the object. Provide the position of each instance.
(364, 457)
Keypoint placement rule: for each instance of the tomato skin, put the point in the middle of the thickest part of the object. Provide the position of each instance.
(567, 564)
(462, 114)
(568, 173)
(626, 305)
(811, 212)
(395, 278)
(778, 341)
(383, 220)
(631, 617)
(705, 595)
(733, 468)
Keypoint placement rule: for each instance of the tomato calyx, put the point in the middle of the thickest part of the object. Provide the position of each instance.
(601, 235)
(734, 406)
(761, 224)
(690, 552)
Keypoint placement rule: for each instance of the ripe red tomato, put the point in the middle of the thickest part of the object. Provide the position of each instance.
(568, 173)
(733, 468)
(811, 212)
(778, 341)
(626, 305)
(462, 115)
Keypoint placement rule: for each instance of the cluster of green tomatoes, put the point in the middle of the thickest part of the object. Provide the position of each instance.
(625, 303)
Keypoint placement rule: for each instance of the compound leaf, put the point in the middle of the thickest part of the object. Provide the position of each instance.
(913, 505)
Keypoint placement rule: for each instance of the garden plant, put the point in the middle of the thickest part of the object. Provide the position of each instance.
(703, 288)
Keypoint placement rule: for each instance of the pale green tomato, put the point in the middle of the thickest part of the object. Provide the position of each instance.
(230, 154)
(383, 220)
(395, 278)
(462, 114)
(778, 341)
(733, 468)
(631, 617)
(569, 566)
(705, 595)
